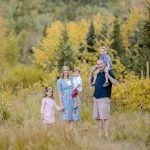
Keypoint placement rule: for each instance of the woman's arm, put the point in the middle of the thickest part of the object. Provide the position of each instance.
(60, 99)
(59, 93)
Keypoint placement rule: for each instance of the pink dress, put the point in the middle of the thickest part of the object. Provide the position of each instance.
(47, 110)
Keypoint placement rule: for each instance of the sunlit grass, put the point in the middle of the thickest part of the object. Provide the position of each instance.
(22, 129)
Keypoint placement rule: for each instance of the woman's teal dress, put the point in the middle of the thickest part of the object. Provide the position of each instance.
(66, 90)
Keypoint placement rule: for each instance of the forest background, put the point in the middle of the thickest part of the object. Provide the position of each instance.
(38, 37)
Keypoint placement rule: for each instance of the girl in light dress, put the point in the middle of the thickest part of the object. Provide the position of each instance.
(47, 107)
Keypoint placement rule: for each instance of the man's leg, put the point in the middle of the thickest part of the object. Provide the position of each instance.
(106, 128)
(100, 127)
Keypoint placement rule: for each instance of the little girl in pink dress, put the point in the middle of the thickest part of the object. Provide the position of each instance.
(47, 107)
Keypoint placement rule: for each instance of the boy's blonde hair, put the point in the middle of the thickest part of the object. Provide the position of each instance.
(76, 69)
(103, 47)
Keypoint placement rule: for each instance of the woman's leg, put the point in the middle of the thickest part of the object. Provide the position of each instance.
(70, 124)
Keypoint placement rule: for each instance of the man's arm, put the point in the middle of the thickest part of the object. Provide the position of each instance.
(111, 77)
(112, 80)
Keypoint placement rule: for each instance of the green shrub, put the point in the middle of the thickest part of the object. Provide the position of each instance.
(22, 75)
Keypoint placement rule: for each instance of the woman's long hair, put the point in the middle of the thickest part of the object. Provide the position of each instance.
(62, 69)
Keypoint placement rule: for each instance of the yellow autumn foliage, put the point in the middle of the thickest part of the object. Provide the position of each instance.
(46, 52)
(77, 33)
(51, 78)
(132, 94)
(98, 21)
(128, 28)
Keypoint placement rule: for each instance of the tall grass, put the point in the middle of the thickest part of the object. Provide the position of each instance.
(22, 129)
(127, 131)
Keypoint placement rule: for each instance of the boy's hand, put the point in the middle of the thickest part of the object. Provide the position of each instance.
(93, 68)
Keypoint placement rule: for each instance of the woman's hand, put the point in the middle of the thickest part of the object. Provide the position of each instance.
(62, 108)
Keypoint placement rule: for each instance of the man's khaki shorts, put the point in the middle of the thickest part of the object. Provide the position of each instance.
(101, 108)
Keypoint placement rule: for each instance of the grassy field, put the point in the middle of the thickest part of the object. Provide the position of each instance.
(36, 39)
(21, 128)
(128, 131)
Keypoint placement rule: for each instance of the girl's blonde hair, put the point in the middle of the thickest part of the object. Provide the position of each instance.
(49, 89)
(62, 69)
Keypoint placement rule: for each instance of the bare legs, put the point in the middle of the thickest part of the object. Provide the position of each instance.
(100, 127)
(103, 124)
(106, 77)
(106, 128)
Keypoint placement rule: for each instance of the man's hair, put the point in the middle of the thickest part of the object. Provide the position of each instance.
(102, 60)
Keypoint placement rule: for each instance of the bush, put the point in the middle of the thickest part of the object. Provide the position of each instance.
(22, 75)
(132, 94)
(5, 105)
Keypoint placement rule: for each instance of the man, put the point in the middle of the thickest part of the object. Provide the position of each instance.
(101, 109)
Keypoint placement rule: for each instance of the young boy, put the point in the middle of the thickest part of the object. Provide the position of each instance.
(77, 81)
(105, 57)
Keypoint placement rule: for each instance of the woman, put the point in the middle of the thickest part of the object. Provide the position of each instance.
(65, 88)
